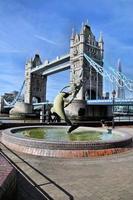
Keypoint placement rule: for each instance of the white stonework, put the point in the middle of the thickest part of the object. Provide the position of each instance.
(35, 84)
(81, 43)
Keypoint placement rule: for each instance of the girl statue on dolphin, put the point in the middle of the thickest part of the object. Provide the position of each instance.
(59, 105)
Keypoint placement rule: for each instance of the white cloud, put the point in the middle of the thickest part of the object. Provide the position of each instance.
(45, 39)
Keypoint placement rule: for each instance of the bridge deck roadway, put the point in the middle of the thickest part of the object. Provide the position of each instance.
(60, 64)
(102, 178)
(109, 102)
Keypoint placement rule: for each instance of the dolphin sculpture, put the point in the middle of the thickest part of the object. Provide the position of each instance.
(59, 105)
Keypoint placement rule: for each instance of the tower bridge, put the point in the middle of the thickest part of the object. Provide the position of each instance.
(36, 72)
(85, 61)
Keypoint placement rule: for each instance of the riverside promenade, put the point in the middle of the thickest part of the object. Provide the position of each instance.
(97, 178)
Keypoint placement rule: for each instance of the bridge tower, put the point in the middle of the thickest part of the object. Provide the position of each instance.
(85, 42)
(35, 84)
(81, 43)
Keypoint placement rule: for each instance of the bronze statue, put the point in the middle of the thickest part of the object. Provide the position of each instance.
(59, 104)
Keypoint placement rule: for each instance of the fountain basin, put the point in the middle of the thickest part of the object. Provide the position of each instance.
(52, 143)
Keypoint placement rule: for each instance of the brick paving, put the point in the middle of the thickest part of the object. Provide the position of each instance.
(7, 179)
(5, 170)
(101, 178)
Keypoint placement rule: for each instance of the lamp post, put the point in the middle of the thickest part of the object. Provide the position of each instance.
(113, 95)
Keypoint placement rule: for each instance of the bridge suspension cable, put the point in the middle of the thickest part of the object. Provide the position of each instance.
(124, 80)
(112, 76)
(16, 98)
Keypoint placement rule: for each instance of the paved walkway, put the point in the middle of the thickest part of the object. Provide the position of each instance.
(102, 178)
(7, 179)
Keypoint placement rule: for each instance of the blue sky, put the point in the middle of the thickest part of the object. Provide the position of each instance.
(44, 27)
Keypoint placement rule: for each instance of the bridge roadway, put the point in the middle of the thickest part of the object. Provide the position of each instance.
(117, 102)
(60, 64)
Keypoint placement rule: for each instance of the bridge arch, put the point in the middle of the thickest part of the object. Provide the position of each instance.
(36, 99)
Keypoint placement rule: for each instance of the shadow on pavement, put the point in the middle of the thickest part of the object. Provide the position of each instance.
(28, 188)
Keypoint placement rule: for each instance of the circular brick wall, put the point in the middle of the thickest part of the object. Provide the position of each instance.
(63, 148)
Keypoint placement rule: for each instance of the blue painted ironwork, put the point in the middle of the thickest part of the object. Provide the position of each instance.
(7, 104)
(112, 75)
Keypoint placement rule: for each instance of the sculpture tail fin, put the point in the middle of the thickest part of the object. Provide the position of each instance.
(72, 128)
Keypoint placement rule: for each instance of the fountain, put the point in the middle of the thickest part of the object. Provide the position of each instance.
(53, 141)
(65, 141)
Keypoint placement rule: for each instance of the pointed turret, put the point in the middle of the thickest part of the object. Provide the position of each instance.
(29, 64)
(72, 35)
(100, 38)
(37, 60)
(82, 28)
(72, 38)
(87, 22)
(76, 37)
(82, 32)
(101, 44)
